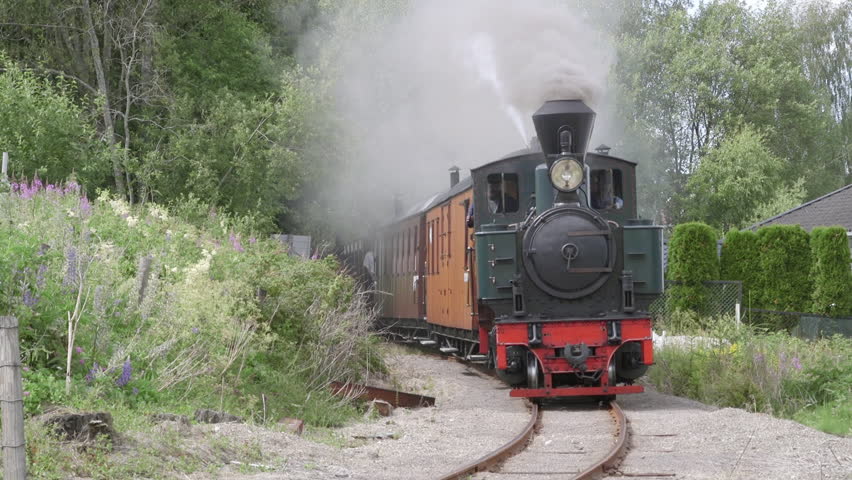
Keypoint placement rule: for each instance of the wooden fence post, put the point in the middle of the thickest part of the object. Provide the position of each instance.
(4, 170)
(12, 402)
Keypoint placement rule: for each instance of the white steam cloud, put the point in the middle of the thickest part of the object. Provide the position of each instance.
(449, 82)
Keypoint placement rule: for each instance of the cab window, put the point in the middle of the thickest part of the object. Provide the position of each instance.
(607, 189)
(503, 192)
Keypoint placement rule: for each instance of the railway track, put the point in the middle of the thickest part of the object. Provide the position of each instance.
(555, 454)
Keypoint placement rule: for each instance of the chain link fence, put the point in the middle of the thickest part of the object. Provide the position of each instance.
(804, 325)
(725, 299)
(721, 298)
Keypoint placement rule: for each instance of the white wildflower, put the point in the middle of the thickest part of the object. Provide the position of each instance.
(119, 206)
(158, 212)
(132, 221)
(70, 213)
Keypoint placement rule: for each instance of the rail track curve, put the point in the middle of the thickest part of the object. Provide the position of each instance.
(519, 442)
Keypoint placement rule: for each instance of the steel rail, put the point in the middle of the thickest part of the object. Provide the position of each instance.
(613, 457)
(502, 453)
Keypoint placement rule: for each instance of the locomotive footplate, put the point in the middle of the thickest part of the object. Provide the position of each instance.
(577, 357)
(575, 391)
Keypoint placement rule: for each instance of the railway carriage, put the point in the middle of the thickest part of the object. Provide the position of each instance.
(536, 264)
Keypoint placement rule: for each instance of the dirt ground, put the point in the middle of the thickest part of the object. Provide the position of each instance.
(671, 437)
(473, 414)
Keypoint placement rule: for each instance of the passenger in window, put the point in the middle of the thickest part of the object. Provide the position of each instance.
(500, 201)
(495, 198)
(510, 196)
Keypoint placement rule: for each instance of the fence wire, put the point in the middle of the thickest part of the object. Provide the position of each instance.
(722, 298)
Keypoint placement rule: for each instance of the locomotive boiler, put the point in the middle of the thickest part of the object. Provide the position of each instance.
(537, 264)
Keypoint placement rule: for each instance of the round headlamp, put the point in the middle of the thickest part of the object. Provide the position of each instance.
(566, 174)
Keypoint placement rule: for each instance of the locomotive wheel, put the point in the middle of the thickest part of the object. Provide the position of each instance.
(533, 372)
(610, 370)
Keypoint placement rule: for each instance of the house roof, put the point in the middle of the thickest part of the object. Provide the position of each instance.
(831, 209)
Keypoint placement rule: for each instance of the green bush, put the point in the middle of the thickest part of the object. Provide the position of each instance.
(692, 261)
(831, 274)
(171, 311)
(785, 265)
(740, 259)
(45, 132)
(772, 373)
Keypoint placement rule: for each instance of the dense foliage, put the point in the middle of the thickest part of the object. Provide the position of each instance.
(740, 260)
(831, 273)
(784, 283)
(692, 261)
(160, 310)
(733, 109)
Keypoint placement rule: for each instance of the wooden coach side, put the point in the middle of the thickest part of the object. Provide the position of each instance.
(400, 250)
(450, 294)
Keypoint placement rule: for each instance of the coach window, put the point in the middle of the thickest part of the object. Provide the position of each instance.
(503, 192)
(607, 189)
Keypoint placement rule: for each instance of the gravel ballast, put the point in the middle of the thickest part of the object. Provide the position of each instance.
(684, 439)
(670, 436)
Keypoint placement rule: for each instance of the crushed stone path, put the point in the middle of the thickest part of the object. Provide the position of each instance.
(678, 438)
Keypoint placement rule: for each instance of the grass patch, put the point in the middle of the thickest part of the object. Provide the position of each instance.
(775, 373)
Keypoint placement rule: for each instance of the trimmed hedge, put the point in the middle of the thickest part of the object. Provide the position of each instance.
(784, 281)
(692, 261)
(741, 260)
(831, 273)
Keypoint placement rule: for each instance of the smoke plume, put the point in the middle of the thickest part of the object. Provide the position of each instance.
(426, 85)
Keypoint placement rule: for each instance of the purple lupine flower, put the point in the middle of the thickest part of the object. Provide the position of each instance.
(235, 242)
(126, 372)
(40, 280)
(195, 330)
(85, 207)
(252, 240)
(135, 391)
(82, 361)
(70, 279)
(78, 349)
(71, 187)
(90, 377)
(796, 363)
(26, 191)
(29, 299)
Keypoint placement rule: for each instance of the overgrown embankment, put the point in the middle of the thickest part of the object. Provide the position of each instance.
(144, 309)
(775, 373)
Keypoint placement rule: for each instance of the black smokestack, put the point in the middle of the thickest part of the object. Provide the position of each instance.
(556, 117)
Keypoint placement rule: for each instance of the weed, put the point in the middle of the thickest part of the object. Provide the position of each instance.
(764, 372)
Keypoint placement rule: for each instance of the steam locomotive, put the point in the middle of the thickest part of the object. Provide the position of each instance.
(537, 264)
